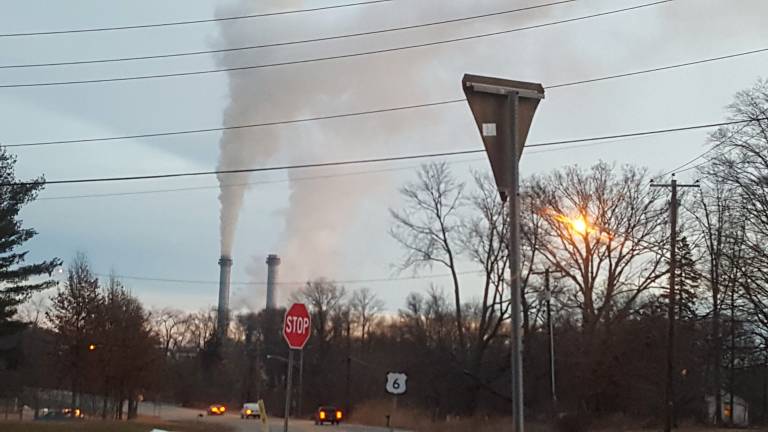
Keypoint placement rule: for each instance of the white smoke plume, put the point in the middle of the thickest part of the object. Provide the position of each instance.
(320, 212)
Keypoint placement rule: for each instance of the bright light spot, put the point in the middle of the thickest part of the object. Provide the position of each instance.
(579, 225)
(91, 347)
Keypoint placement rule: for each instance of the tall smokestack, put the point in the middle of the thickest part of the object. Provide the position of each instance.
(273, 261)
(225, 266)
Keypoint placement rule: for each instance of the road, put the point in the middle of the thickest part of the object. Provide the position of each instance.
(170, 412)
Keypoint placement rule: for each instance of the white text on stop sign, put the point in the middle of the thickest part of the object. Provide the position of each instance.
(294, 324)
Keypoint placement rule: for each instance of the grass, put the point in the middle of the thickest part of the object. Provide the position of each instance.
(108, 426)
(372, 413)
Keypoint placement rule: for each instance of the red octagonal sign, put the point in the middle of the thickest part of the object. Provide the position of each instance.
(297, 326)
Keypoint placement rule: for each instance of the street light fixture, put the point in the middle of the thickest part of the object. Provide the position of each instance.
(503, 111)
(277, 357)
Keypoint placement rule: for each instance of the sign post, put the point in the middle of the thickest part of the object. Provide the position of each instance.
(396, 385)
(296, 330)
(503, 111)
(263, 416)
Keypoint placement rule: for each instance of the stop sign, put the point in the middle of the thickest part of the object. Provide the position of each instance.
(296, 326)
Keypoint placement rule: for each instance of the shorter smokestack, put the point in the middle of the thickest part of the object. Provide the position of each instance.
(225, 268)
(273, 261)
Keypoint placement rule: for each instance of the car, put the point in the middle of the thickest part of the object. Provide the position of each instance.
(217, 410)
(328, 414)
(250, 410)
(61, 414)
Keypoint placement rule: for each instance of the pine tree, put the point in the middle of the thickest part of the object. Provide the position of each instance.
(15, 273)
(688, 281)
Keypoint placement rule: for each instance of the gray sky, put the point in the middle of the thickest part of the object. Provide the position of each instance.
(334, 227)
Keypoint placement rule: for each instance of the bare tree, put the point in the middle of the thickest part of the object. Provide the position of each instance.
(734, 215)
(169, 325)
(365, 307)
(428, 227)
(324, 299)
(73, 315)
(601, 229)
(484, 239)
(740, 166)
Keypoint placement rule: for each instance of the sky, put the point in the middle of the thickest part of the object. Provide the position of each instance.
(330, 222)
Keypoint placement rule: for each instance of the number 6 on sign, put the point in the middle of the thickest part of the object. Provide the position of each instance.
(396, 383)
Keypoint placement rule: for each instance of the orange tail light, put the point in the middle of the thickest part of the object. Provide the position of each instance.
(322, 415)
(338, 415)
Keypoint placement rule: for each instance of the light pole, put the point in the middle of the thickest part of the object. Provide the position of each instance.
(503, 111)
(301, 374)
(547, 296)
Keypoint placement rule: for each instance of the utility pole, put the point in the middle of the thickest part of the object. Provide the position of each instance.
(669, 414)
(347, 386)
(551, 330)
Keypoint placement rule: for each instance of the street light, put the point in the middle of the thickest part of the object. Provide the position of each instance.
(277, 357)
(503, 111)
(301, 375)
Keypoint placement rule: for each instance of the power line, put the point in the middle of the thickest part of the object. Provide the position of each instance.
(279, 44)
(682, 168)
(336, 57)
(373, 160)
(236, 127)
(187, 22)
(338, 281)
(367, 112)
(663, 68)
(295, 179)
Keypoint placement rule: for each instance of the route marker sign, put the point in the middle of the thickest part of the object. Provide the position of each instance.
(396, 383)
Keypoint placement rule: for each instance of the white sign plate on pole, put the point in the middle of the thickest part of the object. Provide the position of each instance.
(396, 383)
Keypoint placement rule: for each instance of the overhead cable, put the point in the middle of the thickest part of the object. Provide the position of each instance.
(286, 43)
(367, 112)
(370, 160)
(336, 57)
(187, 22)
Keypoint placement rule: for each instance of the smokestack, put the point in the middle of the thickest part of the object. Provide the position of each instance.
(272, 262)
(225, 265)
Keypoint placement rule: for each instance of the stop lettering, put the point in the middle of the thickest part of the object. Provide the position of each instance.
(297, 326)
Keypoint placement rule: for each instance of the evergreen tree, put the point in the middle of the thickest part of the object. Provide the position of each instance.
(15, 273)
(688, 281)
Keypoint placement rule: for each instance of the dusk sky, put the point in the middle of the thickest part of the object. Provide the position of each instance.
(330, 222)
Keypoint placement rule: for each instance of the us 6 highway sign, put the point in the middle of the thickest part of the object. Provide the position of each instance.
(396, 383)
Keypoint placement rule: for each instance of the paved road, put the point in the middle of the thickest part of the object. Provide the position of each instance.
(169, 412)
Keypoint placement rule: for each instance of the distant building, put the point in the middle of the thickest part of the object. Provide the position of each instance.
(739, 410)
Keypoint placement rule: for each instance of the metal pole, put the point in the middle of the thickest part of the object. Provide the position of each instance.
(301, 381)
(670, 396)
(288, 391)
(516, 356)
(551, 338)
(347, 387)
